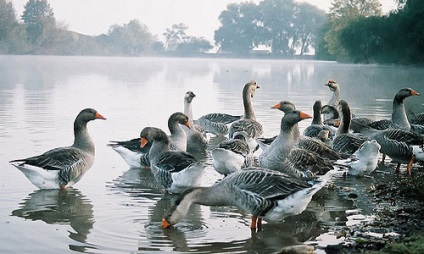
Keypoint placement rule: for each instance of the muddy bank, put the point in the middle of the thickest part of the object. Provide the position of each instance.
(389, 211)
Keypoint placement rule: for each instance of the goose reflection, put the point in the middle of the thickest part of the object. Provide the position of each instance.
(60, 207)
(137, 182)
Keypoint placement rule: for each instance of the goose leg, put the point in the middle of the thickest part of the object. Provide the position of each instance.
(409, 167)
(397, 168)
(254, 220)
(383, 158)
(259, 224)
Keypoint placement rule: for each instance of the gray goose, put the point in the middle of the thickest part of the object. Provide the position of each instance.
(399, 119)
(248, 123)
(174, 170)
(214, 123)
(264, 193)
(335, 98)
(346, 142)
(197, 139)
(64, 166)
(232, 155)
(311, 144)
(285, 154)
(317, 125)
(402, 146)
(136, 156)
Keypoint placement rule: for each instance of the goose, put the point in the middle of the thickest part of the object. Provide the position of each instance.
(346, 142)
(399, 119)
(265, 194)
(248, 123)
(364, 160)
(335, 97)
(136, 156)
(214, 123)
(196, 136)
(284, 154)
(174, 170)
(63, 167)
(417, 118)
(311, 144)
(402, 146)
(284, 106)
(317, 125)
(232, 155)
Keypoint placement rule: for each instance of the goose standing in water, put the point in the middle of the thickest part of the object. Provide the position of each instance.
(317, 125)
(136, 156)
(174, 170)
(264, 193)
(64, 166)
(232, 155)
(402, 146)
(346, 142)
(248, 123)
(335, 98)
(285, 154)
(196, 135)
(214, 123)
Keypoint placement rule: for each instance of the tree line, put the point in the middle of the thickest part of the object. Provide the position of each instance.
(352, 31)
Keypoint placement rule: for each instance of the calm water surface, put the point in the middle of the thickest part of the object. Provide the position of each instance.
(117, 209)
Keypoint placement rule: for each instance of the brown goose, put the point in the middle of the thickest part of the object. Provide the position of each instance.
(64, 166)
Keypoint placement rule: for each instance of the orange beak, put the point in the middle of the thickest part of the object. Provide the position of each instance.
(188, 125)
(414, 92)
(143, 142)
(278, 105)
(303, 115)
(165, 224)
(98, 116)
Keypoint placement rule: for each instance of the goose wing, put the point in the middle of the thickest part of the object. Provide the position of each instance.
(174, 161)
(69, 161)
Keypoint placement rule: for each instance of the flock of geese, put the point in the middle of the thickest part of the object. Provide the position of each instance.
(269, 177)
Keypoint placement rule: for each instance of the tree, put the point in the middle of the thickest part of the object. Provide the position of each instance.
(132, 38)
(40, 22)
(341, 13)
(175, 35)
(307, 23)
(278, 25)
(239, 32)
(194, 45)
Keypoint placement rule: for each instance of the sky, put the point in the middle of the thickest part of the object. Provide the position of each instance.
(94, 17)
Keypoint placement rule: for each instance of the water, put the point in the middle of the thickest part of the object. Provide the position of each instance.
(115, 209)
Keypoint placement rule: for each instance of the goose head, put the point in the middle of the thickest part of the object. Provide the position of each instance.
(179, 209)
(404, 93)
(180, 118)
(188, 97)
(149, 134)
(332, 85)
(285, 106)
(250, 88)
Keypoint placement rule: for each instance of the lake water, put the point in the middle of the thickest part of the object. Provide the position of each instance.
(115, 209)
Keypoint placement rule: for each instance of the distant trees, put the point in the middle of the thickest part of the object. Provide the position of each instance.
(10, 30)
(395, 38)
(278, 24)
(177, 41)
(131, 39)
(341, 14)
(40, 24)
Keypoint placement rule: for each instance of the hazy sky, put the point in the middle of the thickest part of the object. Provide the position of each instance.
(94, 17)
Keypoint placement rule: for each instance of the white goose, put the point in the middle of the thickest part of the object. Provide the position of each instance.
(64, 166)
(174, 170)
(264, 193)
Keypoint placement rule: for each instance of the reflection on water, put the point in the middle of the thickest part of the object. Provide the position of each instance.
(60, 207)
(39, 97)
